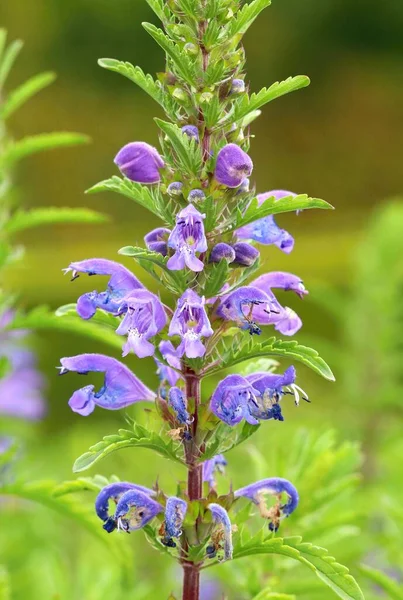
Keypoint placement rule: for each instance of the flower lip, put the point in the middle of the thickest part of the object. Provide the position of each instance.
(135, 509)
(224, 534)
(191, 323)
(281, 280)
(233, 166)
(114, 491)
(232, 399)
(210, 467)
(176, 401)
(175, 512)
(186, 239)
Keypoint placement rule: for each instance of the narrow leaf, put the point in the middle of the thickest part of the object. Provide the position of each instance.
(186, 148)
(40, 143)
(135, 74)
(246, 16)
(24, 92)
(8, 60)
(26, 219)
(388, 585)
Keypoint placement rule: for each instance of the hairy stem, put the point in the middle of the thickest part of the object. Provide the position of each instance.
(191, 571)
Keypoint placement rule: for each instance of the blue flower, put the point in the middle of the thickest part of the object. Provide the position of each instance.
(245, 254)
(243, 304)
(135, 509)
(121, 387)
(157, 240)
(232, 398)
(222, 251)
(212, 466)
(175, 512)
(121, 283)
(275, 486)
(186, 239)
(145, 317)
(223, 533)
(140, 162)
(114, 491)
(191, 131)
(176, 401)
(233, 166)
(191, 323)
(281, 280)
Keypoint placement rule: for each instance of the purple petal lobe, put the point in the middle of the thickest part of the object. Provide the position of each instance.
(191, 323)
(186, 239)
(135, 509)
(233, 166)
(140, 162)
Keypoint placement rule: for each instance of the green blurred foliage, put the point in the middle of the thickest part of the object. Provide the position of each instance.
(340, 140)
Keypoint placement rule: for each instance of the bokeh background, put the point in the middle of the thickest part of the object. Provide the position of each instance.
(340, 139)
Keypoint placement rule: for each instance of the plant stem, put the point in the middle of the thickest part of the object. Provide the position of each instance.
(191, 571)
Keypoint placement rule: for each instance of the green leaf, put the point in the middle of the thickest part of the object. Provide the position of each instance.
(271, 206)
(8, 59)
(42, 318)
(181, 61)
(247, 348)
(246, 16)
(268, 595)
(138, 438)
(24, 92)
(215, 276)
(5, 587)
(40, 143)
(186, 148)
(135, 74)
(160, 8)
(226, 438)
(331, 573)
(147, 197)
(82, 484)
(388, 585)
(177, 280)
(26, 219)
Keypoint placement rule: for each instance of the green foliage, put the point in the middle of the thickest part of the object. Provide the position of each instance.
(9, 56)
(246, 16)
(393, 590)
(24, 92)
(317, 559)
(5, 590)
(40, 143)
(246, 349)
(187, 150)
(140, 437)
(224, 438)
(26, 219)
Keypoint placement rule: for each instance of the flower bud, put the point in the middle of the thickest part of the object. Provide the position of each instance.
(237, 86)
(191, 131)
(244, 187)
(175, 188)
(140, 162)
(157, 239)
(222, 251)
(245, 254)
(180, 96)
(233, 166)
(191, 49)
(196, 196)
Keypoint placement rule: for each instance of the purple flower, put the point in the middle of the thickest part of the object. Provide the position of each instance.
(245, 254)
(121, 283)
(245, 304)
(175, 188)
(237, 86)
(135, 509)
(288, 322)
(222, 251)
(21, 390)
(232, 399)
(157, 240)
(244, 187)
(274, 486)
(176, 401)
(140, 162)
(191, 323)
(212, 466)
(196, 196)
(120, 389)
(266, 230)
(191, 131)
(224, 533)
(175, 512)
(271, 387)
(233, 166)
(144, 318)
(281, 280)
(114, 491)
(186, 239)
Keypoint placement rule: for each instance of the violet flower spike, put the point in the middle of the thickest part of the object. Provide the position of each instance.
(121, 387)
(134, 510)
(220, 517)
(191, 131)
(274, 486)
(121, 283)
(140, 162)
(212, 466)
(175, 512)
(176, 400)
(265, 230)
(233, 166)
(191, 323)
(186, 239)
(114, 491)
(232, 398)
(157, 240)
(145, 317)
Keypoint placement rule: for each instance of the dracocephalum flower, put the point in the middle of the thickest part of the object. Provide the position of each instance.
(190, 322)
(233, 166)
(140, 162)
(114, 491)
(187, 238)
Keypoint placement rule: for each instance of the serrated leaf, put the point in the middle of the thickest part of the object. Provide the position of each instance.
(42, 318)
(334, 575)
(181, 61)
(26, 219)
(145, 196)
(82, 484)
(226, 438)
(388, 585)
(8, 59)
(268, 595)
(24, 92)
(246, 16)
(187, 150)
(247, 349)
(215, 276)
(138, 438)
(41, 143)
(135, 74)
(273, 206)
(159, 8)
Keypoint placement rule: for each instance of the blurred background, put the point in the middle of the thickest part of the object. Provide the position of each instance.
(341, 140)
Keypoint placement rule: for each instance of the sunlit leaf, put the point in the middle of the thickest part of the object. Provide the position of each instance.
(26, 219)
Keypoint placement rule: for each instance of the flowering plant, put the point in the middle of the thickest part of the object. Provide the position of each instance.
(206, 255)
